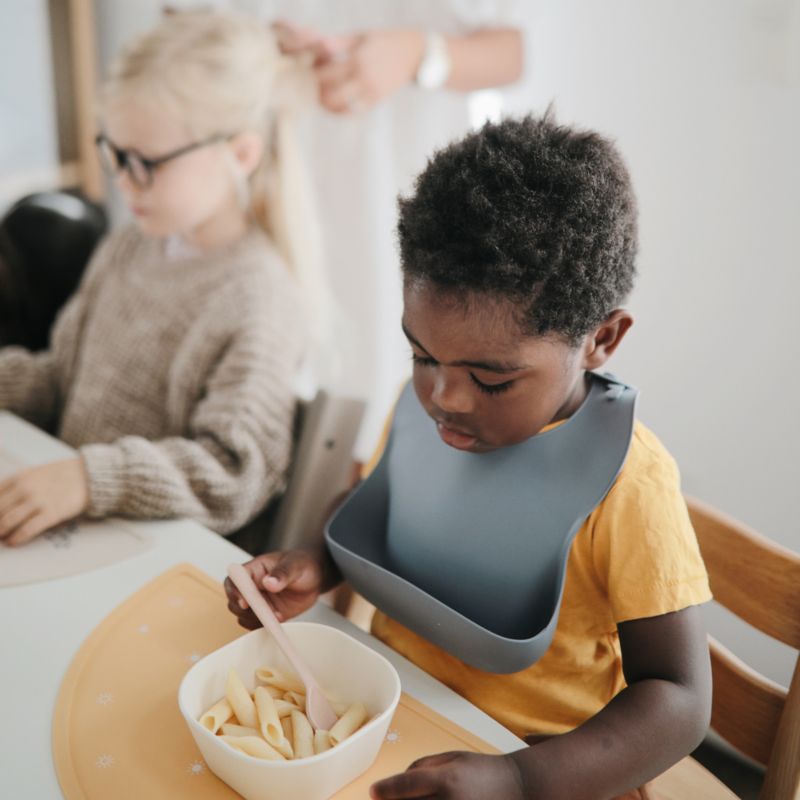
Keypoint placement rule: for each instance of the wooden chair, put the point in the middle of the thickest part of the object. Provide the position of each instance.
(322, 468)
(759, 581)
(322, 465)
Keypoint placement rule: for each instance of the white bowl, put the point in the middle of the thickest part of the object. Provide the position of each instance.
(345, 669)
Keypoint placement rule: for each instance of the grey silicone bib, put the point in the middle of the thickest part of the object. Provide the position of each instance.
(470, 550)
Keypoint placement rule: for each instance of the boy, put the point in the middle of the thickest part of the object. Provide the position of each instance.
(518, 248)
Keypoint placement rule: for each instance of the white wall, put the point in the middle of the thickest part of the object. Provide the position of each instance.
(703, 99)
(116, 23)
(28, 146)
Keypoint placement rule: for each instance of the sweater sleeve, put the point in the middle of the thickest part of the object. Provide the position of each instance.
(234, 455)
(28, 385)
(32, 385)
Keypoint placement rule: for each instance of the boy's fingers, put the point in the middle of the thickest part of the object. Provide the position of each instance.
(247, 619)
(281, 575)
(275, 581)
(433, 761)
(233, 606)
(261, 565)
(417, 783)
(235, 599)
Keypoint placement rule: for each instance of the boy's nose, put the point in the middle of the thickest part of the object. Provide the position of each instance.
(450, 393)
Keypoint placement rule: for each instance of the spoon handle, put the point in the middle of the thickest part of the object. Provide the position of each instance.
(266, 616)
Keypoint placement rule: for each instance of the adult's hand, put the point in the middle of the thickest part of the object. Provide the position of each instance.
(356, 71)
(368, 67)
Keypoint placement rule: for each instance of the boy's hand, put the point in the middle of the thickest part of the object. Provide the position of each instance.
(291, 581)
(465, 776)
(37, 499)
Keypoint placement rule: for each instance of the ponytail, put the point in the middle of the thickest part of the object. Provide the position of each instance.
(282, 204)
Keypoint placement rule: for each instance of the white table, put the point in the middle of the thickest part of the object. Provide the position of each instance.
(42, 626)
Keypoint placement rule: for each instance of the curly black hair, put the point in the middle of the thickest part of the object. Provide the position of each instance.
(528, 210)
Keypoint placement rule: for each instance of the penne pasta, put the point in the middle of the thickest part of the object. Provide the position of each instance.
(218, 714)
(284, 747)
(268, 721)
(271, 724)
(297, 699)
(229, 729)
(273, 677)
(240, 700)
(322, 741)
(302, 735)
(284, 708)
(348, 723)
(253, 746)
(339, 708)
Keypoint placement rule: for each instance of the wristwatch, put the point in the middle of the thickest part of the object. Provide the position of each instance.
(434, 69)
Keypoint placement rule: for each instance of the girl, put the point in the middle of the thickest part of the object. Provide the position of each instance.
(171, 369)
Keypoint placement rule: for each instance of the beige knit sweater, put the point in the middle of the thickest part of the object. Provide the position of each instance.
(172, 375)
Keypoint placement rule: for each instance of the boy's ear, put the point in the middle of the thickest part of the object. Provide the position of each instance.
(247, 148)
(604, 340)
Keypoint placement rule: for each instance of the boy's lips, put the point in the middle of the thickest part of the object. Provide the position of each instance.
(459, 439)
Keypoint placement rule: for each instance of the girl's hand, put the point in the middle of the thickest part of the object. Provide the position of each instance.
(465, 776)
(290, 581)
(37, 499)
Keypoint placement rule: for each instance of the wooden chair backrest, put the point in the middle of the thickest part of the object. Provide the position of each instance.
(759, 581)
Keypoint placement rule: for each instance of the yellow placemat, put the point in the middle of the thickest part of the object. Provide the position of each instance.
(117, 730)
(68, 549)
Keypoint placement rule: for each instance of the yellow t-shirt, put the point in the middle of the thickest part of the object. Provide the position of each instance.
(635, 556)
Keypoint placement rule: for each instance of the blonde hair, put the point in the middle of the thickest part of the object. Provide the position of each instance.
(222, 73)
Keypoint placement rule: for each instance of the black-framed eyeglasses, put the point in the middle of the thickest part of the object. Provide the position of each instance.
(140, 169)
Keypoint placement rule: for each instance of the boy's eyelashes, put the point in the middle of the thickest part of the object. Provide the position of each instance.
(423, 361)
(491, 388)
(487, 388)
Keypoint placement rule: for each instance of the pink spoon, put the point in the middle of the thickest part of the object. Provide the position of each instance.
(318, 709)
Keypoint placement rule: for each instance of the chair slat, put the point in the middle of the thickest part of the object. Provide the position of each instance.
(755, 578)
(690, 779)
(782, 781)
(747, 707)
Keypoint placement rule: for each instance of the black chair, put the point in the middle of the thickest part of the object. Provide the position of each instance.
(46, 240)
